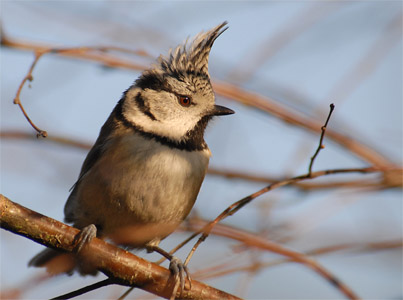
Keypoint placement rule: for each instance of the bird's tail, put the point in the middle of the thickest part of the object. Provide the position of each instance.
(55, 262)
(43, 257)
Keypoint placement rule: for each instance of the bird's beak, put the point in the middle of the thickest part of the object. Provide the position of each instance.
(219, 110)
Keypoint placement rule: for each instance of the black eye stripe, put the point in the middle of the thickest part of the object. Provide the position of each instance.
(144, 107)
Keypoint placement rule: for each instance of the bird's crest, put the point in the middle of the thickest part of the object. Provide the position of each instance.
(193, 58)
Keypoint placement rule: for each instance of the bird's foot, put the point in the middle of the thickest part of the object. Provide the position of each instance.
(177, 268)
(84, 237)
(180, 273)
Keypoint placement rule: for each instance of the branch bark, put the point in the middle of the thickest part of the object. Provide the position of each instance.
(123, 266)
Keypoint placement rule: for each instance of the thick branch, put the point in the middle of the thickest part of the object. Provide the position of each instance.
(121, 265)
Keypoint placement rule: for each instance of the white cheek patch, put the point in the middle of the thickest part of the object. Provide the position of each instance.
(171, 121)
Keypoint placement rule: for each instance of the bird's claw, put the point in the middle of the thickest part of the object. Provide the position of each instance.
(84, 237)
(180, 272)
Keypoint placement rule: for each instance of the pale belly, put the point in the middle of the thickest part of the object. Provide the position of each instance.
(140, 193)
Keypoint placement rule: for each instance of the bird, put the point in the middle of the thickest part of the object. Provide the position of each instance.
(142, 176)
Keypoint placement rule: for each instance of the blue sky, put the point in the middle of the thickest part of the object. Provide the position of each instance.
(304, 55)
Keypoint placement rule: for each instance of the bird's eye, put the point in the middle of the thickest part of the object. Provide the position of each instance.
(184, 101)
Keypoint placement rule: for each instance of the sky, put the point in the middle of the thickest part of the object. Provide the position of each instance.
(304, 55)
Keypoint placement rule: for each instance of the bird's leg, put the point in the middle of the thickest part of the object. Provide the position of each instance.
(85, 236)
(176, 266)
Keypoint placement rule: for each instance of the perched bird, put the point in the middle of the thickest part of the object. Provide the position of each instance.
(142, 176)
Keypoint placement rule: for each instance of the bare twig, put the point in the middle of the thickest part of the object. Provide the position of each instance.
(65, 141)
(116, 263)
(124, 295)
(77, 51)
(322, 135)
(17, 100)
(305, 186)
(86, 289)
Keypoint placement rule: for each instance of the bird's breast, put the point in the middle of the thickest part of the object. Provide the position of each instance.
(139, 181)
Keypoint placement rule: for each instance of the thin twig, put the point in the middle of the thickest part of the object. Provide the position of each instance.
(75, 51)
(305, 186)
(65, 141)
(85, 289)
(322, 135)
(124, 295)
(17, 99)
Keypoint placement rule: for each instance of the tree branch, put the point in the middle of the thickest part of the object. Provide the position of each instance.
(116, 263)
(322, 135)
(85, 289)
(17, 99)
